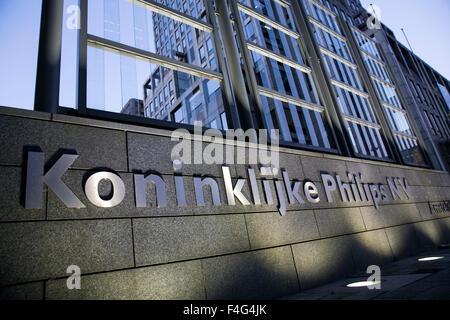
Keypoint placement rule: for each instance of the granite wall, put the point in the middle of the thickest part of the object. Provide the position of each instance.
(211, 252)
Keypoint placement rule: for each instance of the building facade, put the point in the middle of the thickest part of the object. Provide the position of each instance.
(424, 90)
(361, 177)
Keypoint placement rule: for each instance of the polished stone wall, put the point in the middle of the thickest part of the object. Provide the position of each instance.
(211, 252)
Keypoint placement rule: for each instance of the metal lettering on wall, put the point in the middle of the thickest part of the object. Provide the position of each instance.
(355, 190)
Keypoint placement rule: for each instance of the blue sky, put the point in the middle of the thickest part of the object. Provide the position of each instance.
(426, 25)
(19, 34)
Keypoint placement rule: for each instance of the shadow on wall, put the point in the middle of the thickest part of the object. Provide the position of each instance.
(272, 273)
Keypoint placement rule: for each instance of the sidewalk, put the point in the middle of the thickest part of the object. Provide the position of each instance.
(407, 279)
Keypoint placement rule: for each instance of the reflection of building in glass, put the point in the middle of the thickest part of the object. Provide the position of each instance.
(422, 105)
(134, 107)
(309, 68)
(177, 96)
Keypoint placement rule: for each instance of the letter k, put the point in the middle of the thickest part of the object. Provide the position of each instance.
(36, 179)
(292, 193)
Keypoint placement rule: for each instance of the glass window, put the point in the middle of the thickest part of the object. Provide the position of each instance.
(250, 33)
(195, 101)
(287, 89)
(119, 76)
(202, 54)
(212, 64)
(361, 124)
(123, 78)
(171, 87)
(133, 24)
(161, 101)
(394, 111)
(178, 115)
(223, 119)
(166, 93)
(209, 46)
(213, 124)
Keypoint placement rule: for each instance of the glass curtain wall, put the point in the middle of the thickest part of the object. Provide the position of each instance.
(154, 59)
(360, 121)
(290, 101)
(387, 93)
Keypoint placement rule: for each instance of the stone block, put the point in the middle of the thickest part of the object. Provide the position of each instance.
(12, 198)
(429, 234)
(145, 157)
(264, 274)
(162, 240)
(323, 261)
(272, 229)
(314, 166)
(96, 147)
(371, 248)
(403, 241)
(177, 281)
(29, 291)
(32, 251)
(333, 222)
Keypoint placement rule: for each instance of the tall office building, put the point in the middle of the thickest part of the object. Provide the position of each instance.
(311, 69)
(424, 90)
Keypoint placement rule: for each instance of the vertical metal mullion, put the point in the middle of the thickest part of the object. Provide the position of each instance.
(233, 60)
(82, 59)
(231, 111)
(49, 57)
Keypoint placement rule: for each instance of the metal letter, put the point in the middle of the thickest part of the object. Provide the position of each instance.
(268, 192)
(383, 192)
(356, 194)
(292, 193)
(140, 190)
(233, 192)
(376, 195)
(198, 186)
(311, 192)
(91, 189)
(35, 181)
(360, 188)
(254, 186)
(181, 196)
(344, 190)
(281, 199)
(395, 190)
(327, 179)
(405, 187)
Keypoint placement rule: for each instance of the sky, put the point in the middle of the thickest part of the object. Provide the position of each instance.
(18, 53)
(426, 25)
